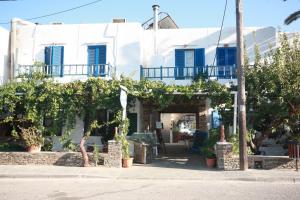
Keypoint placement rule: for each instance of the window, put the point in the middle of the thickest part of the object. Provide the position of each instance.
(96, 60)
(226, 59)
(189, 63)
(54, 60)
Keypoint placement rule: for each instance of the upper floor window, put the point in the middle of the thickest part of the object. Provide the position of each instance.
(189, 62)
(54, 60)
(96, 60)
(226, 56)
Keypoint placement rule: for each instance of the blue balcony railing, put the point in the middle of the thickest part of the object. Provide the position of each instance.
(103, 70)
(181, 73)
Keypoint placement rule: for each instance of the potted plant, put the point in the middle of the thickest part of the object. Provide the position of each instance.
(210, 157)
(32, 138)
(126, 159)
(208, 148)
(121, 137)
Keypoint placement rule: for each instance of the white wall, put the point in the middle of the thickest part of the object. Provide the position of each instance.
(76, 136)
(123, 44)
(170, 39)
(4, 41)
(129, 46)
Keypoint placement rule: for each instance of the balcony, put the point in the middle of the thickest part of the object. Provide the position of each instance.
(183, 73)
(102, 70)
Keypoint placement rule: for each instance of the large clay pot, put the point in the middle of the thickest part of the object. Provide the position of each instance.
(211, 162)
(34, 149)
(127, 162)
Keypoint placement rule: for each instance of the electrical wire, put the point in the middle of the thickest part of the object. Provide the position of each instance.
(59, 12)
(220, 34)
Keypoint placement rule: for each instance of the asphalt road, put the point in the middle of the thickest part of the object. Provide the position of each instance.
(75, 189)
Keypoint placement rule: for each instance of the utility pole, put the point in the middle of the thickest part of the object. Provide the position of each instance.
(241, 86)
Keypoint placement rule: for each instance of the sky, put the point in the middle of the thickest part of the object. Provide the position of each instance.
(186, 13)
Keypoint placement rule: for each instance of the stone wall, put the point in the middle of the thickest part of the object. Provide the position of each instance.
(44, 158)
(271, 162)
(114, 155)
(111, 159)
(227, 161)
(225, 158)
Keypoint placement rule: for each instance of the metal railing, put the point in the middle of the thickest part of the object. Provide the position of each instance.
(102, 70)
(179, 73)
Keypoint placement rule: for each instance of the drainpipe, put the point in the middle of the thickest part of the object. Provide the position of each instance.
(13, 36)
(155, 26)
(13, 45)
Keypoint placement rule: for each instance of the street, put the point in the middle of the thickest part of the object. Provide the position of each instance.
(83, 188)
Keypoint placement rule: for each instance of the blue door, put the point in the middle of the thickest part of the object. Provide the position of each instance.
(54, 60)
(226, 60)
(189, 63)
(97, 60)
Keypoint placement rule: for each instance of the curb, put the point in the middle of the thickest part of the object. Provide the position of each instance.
(295, 180)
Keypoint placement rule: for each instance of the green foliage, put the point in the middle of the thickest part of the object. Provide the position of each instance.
(5, 146)
(35, 100)
(234, 139)
(121, 135)
(208, 145)
(273, 90)
(32, 136)
(208, 152)
(96, 154)
(212, 139)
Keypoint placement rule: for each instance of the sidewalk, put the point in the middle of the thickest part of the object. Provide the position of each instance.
(148, 173)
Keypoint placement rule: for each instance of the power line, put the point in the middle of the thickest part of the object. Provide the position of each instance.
(220, 34)
(59, 12)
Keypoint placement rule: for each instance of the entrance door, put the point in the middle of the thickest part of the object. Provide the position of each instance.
(96, 60)
(132, 123)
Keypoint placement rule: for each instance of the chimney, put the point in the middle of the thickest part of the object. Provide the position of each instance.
(119, 20)
(155, 17)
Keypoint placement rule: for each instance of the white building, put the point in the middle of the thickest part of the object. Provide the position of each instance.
(77, 51)
(4, 40)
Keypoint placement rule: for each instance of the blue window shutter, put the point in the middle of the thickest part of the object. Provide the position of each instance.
(91, 56)
(221, 56)
(179, 58)
(48, 53)
(231, 56)
(179, 64)
(200, 57)
(221, 61)
(57, 60)
(199, 61)
(102, 54)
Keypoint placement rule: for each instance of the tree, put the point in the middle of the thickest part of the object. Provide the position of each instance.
(273, 87)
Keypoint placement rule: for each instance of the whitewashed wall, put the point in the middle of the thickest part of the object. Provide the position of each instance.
(123, 44)
(4, 40)
(170, 39)
(129, 46)
(76, 136)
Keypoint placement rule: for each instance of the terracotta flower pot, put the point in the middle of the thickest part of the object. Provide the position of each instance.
(211, 162)
(34, 149)
(127, 162)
